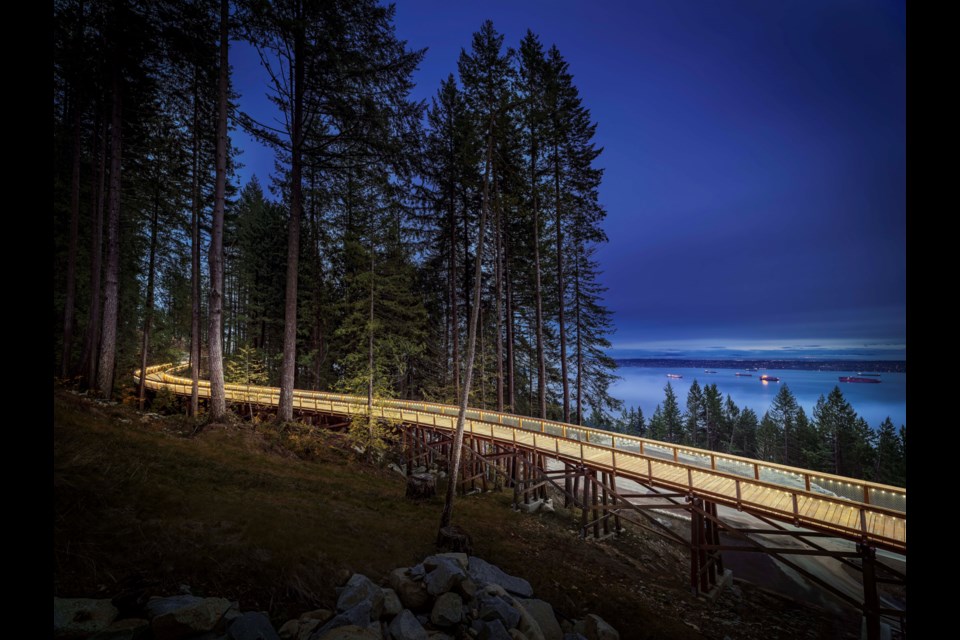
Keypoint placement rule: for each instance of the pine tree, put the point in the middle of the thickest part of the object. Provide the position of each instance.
(784, 413)
(672, 420)
(695, 417)
(769, 440)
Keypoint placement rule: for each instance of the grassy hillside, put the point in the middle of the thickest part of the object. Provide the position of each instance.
(277, 520)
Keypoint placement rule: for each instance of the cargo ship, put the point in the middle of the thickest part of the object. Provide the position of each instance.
(744, 375)
(766, 378)
(674, 375)
(709, 371)
(871, 375)
(856, 379)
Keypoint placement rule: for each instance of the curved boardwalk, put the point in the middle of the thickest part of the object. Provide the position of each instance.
(856, 510)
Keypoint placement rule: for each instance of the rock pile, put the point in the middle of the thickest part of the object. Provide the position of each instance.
(448, 596)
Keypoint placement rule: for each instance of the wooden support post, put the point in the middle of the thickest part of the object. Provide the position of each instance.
(593, 502)
(584, 507)
(606, 521)
(871, 603)
(576, 485)
(526, 477)
(616, 519)
(695, 525)
(701, 551)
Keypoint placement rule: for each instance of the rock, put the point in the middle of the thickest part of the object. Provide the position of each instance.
(360, 588)
(467, 588)
(358, 616)
(307, 627)
(573, 635)
(460, 558)
(252, 626)
(482, 572)
(439, 635)
(421, 486)
(406, 627)
(493, 630)
(413, 595)
(393, 466)
(547, 505)
(447, 610)
(598, 629)
(127, 629)
(495, 608)
(391, 603)
(528, 625)
(446, 574)
(81, 617)
(180, 616)
(516, 634)
(455, 538)
(290, 630)
(546, 619)
(351, 632)
(317, 614)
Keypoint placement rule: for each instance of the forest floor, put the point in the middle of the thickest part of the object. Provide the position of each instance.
(276, 519)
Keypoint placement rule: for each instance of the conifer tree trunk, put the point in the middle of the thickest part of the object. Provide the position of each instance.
(560, 289)
(288, 370)
(579, 345)
(456, 451)
(511, 364)
(148, 308)
(454, 303)
(498, 258)
(218, 405)
(538, 289)
(70, 301)
(108, 342)
(195, 258)
(91, 342)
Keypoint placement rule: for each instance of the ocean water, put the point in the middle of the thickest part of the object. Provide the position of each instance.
(643, 387)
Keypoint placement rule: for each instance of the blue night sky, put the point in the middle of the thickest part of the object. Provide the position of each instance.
(754, 156)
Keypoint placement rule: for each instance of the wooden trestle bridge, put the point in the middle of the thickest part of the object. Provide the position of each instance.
(809, 510)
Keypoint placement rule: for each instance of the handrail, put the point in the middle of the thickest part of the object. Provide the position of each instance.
(562, 445)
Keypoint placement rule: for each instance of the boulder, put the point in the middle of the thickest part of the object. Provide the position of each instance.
(406, 627)
(391, 603)
(467, 588)
(495, 608)
(359, 589)
(421, 486)
(307, 627)
(546, 619)
(516, 634)
(447, 610)
(460, 558)
(482, 572)
(252, 626)
(596, 628)
(81, 617)
(444, 576)
(127, 629)
(317, 614)
(290, 630)
(413, 595)
(180, 616)
(358, 616)
(492, 630)
(351, 632)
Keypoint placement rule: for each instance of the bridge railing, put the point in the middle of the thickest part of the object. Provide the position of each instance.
(605, 449)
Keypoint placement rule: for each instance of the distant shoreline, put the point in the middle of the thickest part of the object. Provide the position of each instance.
(878, 366)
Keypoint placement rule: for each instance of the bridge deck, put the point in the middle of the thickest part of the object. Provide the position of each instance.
(850, 508)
